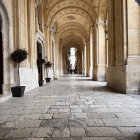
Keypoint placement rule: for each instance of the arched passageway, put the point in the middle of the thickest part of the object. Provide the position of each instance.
(72, 59)
(105, 35)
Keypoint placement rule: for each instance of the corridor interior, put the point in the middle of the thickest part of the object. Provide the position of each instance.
(71, 108)
(91, 45)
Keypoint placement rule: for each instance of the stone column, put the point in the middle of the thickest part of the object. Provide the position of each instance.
(60, 60)
(91, 54)
(85, 61)
(99, 66)
(115, 73)
(88, 59)
(51, 56)
(79, 61)
(56, 60)
(83, 69)
(132, 50)
(123, 71)
(94, 50)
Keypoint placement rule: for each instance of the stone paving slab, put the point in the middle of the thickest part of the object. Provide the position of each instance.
(118, 122)
(77, 132)
(102, 131)
(57, 123)
(128, 115)
(4, 132)
(44, 132)
(70, 109)
(76, 123)
(27, 139)
(101, 115)
(22, 133)
(129, 131)
(61, 115)
(80, 115)
(135, 121)
(60, 133)
(45, 116)
(94, 122)
(62, 138)
(82, 138)
(99, 138)
(129, 138)
(29, 117)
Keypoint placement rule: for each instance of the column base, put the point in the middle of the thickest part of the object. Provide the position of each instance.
(133, 79)
(116, 78)
(90, 72)
(100, 74)
(124, 79)
(84, 71)
(56, 74)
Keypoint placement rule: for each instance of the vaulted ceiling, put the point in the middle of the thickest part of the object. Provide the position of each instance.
(73, 19)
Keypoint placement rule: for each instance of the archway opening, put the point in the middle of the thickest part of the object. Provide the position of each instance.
(1, 58)
(72, 60)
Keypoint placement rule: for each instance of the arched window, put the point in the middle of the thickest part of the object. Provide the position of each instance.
(39, 15)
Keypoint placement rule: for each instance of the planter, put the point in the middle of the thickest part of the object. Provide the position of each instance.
(41, 83)
(18, 91)
(48, 79)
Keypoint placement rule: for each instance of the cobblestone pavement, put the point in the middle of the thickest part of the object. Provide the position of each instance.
(71, 108)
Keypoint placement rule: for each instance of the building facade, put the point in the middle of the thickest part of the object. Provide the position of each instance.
(105, 34)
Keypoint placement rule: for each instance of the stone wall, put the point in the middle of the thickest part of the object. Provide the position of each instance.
(23, 26)
(20, 31)
(29, 78)
(25, 37)
(133, 57)
(6, 12)
(123, 72)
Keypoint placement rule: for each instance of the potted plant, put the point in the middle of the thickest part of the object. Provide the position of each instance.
(48, 65)
(18, 56)
(40, 62)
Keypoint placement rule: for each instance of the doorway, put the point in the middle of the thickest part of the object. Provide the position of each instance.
(39, 64)
(1, 59)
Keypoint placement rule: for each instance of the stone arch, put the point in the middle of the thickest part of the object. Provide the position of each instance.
(73, 25)
(65, 51)
(70, 30)
(8, 69)
(72, 3)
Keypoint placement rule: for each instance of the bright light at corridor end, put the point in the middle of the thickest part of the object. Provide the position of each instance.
(72, 59)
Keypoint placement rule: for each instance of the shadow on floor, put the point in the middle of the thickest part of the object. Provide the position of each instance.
(95, 86)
